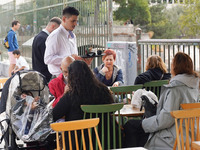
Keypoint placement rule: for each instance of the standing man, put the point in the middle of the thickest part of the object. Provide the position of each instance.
(38, 48)
(13, 44)
(62, 41)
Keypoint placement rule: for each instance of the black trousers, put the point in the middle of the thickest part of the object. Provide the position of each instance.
(134, 134)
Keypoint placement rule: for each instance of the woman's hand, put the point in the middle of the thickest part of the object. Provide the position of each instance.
(104, 69)
(115, 84)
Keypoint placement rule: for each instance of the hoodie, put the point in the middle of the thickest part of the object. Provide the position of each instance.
(150, 75)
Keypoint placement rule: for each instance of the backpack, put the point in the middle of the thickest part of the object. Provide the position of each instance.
(5, 43)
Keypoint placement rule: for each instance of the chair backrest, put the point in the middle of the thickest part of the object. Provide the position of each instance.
(187, 124)
(73, 126)
(190, 105)
(155, 86)
(112, 138)
(125, 92)
(2, 82)
(187, 106)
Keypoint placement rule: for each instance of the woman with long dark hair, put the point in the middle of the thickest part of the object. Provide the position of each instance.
(84, 88)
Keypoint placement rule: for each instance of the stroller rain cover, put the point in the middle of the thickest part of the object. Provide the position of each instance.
(28, 106)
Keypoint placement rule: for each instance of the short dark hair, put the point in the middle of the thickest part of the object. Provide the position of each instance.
(56, 20)
(15, 22)
(69, 11)
(17, 52)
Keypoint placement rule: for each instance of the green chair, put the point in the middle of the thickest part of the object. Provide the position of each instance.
(155, 86)
(109, 130)
(124, 93)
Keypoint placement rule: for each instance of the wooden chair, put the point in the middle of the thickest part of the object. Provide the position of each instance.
(2, 82)
(122, 92)
(155, 86)
(190, 105)
(74, 126)
(190, 119)
(187, 106)
(107, 123)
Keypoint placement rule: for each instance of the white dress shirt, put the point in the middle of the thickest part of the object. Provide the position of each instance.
(59, 45)
(46, 31)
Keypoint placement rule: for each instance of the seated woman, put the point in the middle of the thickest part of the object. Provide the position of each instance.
(155, 70)
(83, 88)
(108, 73)
(158, 132)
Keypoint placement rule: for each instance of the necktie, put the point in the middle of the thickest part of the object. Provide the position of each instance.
(71, 34)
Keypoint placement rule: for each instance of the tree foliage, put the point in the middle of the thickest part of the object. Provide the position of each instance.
(164, 22)
(137, 10)
(190, 20)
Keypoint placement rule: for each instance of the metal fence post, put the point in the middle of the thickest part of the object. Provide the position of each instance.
(34, 17)
(138, 37)
(110, 20)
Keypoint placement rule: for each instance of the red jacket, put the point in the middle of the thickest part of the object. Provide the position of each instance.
(56, 87)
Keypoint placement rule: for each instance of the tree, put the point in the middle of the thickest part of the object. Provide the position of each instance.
(164, 22)
(190, 20)
(137, 10)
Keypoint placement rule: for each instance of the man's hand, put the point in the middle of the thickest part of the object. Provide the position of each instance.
(66, 89)
(88, 61)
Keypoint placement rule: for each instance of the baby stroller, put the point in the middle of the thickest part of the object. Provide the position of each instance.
(25, 111)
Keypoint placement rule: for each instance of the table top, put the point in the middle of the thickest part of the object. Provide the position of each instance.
(132, 148)
(196, 145)
(129, 110)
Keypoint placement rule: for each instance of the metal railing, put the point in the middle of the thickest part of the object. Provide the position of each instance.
(167, 48)
(94, 27)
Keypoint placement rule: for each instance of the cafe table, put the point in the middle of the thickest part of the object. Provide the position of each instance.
(196, 145)
(129, 111)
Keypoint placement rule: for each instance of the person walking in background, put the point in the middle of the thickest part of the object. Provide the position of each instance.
(155, 70)
(38, 48)
(108, 73)
(57, 85)
(13, 44)
(21, 63)
(62, 41)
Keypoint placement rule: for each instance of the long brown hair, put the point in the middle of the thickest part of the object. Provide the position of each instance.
(182, 63)
(156, 62)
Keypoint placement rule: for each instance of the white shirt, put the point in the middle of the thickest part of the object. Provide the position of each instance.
(46, 31)
(21, 62)
(59, 45)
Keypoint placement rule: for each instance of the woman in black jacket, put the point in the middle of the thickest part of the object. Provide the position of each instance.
(84, 89)
(155, 70)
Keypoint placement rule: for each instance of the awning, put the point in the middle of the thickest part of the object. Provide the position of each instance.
(29, 42)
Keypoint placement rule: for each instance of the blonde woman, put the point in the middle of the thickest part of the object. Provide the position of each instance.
(155, 70)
